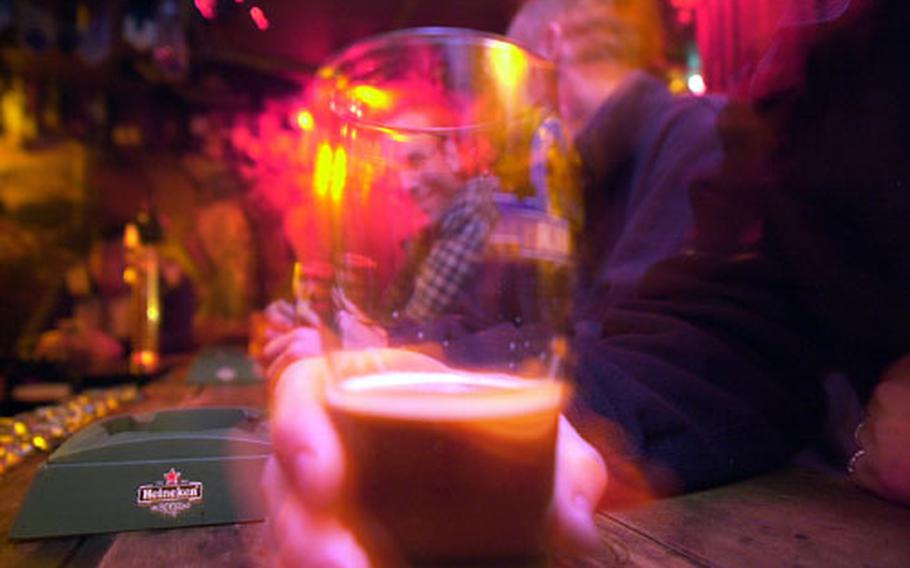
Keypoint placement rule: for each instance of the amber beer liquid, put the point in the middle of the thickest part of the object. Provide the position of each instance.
(451, 466)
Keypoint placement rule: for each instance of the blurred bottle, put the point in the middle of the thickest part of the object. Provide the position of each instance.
(140, 239)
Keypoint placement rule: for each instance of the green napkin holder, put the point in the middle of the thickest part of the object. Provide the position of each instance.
(223, 365)
(171, 468)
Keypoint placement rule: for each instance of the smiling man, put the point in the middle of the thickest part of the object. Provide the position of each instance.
(459, 208)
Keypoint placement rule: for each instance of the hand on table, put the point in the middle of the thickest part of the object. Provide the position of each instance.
(78, 345)
(883, 464)
(303, 480)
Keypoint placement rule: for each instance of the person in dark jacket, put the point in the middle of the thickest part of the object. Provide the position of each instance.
(641, 147)
(798, 269)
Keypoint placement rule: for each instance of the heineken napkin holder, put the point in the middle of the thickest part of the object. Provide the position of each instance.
(171, 468)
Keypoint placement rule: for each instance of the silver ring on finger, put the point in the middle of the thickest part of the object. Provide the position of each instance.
(854, 459)
(858, 431)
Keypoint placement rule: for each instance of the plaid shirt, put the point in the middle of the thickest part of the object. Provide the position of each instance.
(452, 248)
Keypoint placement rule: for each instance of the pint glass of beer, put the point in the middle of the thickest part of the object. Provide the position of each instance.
(443, 167)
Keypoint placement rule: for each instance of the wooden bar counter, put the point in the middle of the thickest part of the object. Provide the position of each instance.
(793, 517)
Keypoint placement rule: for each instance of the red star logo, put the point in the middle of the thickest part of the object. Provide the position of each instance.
(172, 477)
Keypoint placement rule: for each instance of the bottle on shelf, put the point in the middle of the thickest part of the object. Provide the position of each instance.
(140, 240)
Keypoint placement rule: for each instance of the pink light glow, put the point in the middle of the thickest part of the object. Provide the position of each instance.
(259, 18)
(685, 10)
(206, 8)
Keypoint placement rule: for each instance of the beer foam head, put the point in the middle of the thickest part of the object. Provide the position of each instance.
(444, 396)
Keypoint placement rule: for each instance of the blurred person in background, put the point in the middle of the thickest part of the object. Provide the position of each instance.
(91, 316)
(715, 371)
(440, 258)
(460, 213)
(641, 148)
(87, 320)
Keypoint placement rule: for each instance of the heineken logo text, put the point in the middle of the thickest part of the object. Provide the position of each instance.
(149, 494)
(171, 497)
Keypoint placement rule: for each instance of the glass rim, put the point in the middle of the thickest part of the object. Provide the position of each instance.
(429, 35)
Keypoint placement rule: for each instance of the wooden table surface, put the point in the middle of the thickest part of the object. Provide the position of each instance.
(789, 518)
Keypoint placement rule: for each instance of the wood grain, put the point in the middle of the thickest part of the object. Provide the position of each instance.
(622, 546)
(790, 518)
(237, 546)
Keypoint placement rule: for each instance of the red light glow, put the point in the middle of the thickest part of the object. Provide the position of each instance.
(685, 10)
(259, 18)
(206, 8)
